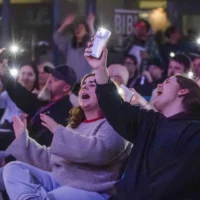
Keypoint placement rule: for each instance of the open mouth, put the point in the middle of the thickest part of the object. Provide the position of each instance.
(85, 96)
(159, 93)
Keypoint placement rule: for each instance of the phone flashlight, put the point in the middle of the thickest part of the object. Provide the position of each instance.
(14, 72)
(14, 48)
(190, 74)
(125, 93)
(198, 41)
(172, 54)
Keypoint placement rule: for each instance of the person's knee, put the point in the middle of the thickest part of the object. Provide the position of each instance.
(66, 192)
(10, 170)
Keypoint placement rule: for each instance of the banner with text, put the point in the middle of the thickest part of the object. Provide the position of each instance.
(124, 20)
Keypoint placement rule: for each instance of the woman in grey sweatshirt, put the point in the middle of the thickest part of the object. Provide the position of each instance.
(73, 47)
(84, 161)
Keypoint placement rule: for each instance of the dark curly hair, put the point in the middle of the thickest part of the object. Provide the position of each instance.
(86, 37)
(184, 60)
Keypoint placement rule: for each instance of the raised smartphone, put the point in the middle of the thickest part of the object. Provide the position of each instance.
(100, 40)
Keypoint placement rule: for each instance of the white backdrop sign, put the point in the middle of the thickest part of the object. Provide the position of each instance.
(124, 20)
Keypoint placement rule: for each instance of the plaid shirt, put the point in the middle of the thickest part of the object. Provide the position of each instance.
(150, 45)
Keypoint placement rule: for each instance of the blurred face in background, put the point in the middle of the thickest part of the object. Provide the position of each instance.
(131, 67)
(176, 36)
(27, 77)
(196, 67)
(156, 72)
(175, 68)
(118, 74)
(42, 75)
(140, 29)
(115, 77)
(80, 31)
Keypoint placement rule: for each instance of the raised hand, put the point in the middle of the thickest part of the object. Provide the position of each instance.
(48, 122)
(98, 65)
(94, 62)
(138, 99)
(148, 76)
(19, 126)
(69, 19)
(91, 19)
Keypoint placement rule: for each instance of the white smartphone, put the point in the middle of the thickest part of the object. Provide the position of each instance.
(127, 94)
(100, 40)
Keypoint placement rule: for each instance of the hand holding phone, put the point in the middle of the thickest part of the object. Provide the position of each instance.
(100, 40)
(126, 93)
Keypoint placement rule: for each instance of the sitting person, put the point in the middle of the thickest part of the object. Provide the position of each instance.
(164, 163)
(180, 64)
(45, 93)
(27, 78)
(43, 77)
(60, 83)
(86, 157)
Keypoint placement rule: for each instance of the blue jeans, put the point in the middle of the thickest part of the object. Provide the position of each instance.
(25, 182)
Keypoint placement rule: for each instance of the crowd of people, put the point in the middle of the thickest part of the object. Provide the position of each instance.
(66, 132)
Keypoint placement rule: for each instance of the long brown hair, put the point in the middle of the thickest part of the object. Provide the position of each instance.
(76, 115)
(191, 100)
(85, 38)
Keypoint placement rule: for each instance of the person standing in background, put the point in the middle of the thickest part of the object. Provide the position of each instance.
(73, 48)
(140, 45)
(175, 45)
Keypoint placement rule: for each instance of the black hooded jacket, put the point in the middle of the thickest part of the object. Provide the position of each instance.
(164, 162)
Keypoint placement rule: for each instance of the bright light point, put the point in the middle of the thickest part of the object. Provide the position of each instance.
(120, 91)
(198, 41)
(172, 54)
(190, 74)
(14, 72)
(103, 30)
(14, 48)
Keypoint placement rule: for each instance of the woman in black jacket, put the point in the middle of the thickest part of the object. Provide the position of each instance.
(165, 143)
